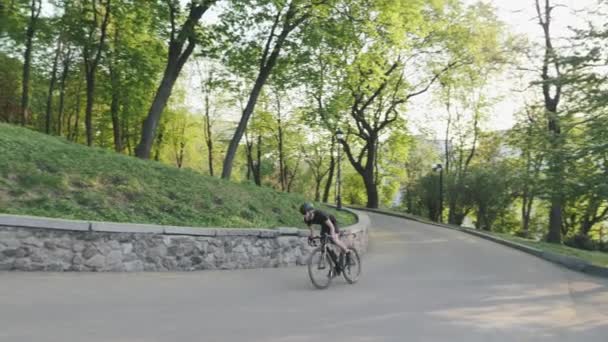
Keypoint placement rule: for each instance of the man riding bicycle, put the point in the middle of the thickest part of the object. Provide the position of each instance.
(328, 225)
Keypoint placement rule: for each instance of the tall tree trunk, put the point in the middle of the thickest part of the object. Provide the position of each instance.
(446, 142)
(114, 109)
(553, 127)
(249, 153)
(64, 76)
(158, 105)
(318, 190)
(525, 217)
(35, 8)
(76, 130)
(366, 172)
(282, 166)
(116, 91)
(257, 174)
(330, 176)
(292, 176)
(371, 189)
(70, 128)
(49, 99)
(88, 113)
(332, 166)
(267, 63)
(231, 152)
(208, 135)
(586, 226)
(126, 136)
(177, 57)
(90, 65)
(159, 143)
(279, 136)
(73, 131)
(180, 155)
(369, 177)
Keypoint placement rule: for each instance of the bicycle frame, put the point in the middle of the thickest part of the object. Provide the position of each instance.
(326, 244)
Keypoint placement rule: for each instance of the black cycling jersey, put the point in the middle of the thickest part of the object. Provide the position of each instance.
(321, 218)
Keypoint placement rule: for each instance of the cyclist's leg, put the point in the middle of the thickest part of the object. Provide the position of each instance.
(336, 240)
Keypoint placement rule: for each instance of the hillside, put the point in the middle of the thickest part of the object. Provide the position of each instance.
(48, 176)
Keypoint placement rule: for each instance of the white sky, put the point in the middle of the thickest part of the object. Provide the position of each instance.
(423, 115)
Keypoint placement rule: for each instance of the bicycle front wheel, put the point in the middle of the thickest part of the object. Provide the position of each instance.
(352, 267)
(320, 268)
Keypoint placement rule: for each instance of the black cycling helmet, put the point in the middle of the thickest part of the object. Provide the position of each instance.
(306, 207)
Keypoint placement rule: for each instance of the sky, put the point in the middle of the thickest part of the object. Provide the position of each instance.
(426, 116)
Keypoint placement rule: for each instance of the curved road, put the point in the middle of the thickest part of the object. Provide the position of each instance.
(420, 283)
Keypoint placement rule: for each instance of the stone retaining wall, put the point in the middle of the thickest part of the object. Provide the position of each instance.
(40, 244)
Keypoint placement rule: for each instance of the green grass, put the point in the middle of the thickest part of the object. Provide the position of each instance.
(47, 176)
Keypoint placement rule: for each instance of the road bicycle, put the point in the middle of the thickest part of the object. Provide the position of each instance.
(324, 263)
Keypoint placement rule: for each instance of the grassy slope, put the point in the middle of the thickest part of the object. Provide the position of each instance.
(48, 176)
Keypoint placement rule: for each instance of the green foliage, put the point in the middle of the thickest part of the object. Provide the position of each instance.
(47, 176)
(353, 191)
(423, 197)
(489, 190)
(9, 87)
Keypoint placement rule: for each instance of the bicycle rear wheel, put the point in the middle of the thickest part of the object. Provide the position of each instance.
(352, 267)
(320, 268)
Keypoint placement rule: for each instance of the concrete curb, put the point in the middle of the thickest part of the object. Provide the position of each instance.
(175, 230)
(34, 222)
(112, 227)
(50, 223)
(567, 261)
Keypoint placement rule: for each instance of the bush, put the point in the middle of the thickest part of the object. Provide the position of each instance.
(583, 242)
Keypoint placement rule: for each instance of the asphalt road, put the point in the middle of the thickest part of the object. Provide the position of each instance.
(420, 283)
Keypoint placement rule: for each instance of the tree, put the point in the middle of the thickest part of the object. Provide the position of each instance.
(393, 152)
(66, 63)
(133, 60)
(374, 85)
(526, 137)
(217, 89)
(96, 18)
(422, 155)
(479, 40)
(586, 196)
(208, 86)
(49, 102)
(552, 90)
(316, 155)
(257, 138)
(35, 8)
(181, 44)
(321, 112)
(270, 17)
(10, 109)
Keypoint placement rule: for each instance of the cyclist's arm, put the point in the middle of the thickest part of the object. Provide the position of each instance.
(332, 229)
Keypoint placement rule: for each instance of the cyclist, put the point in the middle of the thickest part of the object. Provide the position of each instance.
(328, 226)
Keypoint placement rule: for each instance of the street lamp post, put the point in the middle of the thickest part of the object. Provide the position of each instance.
(439, 167)
(339, 136)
